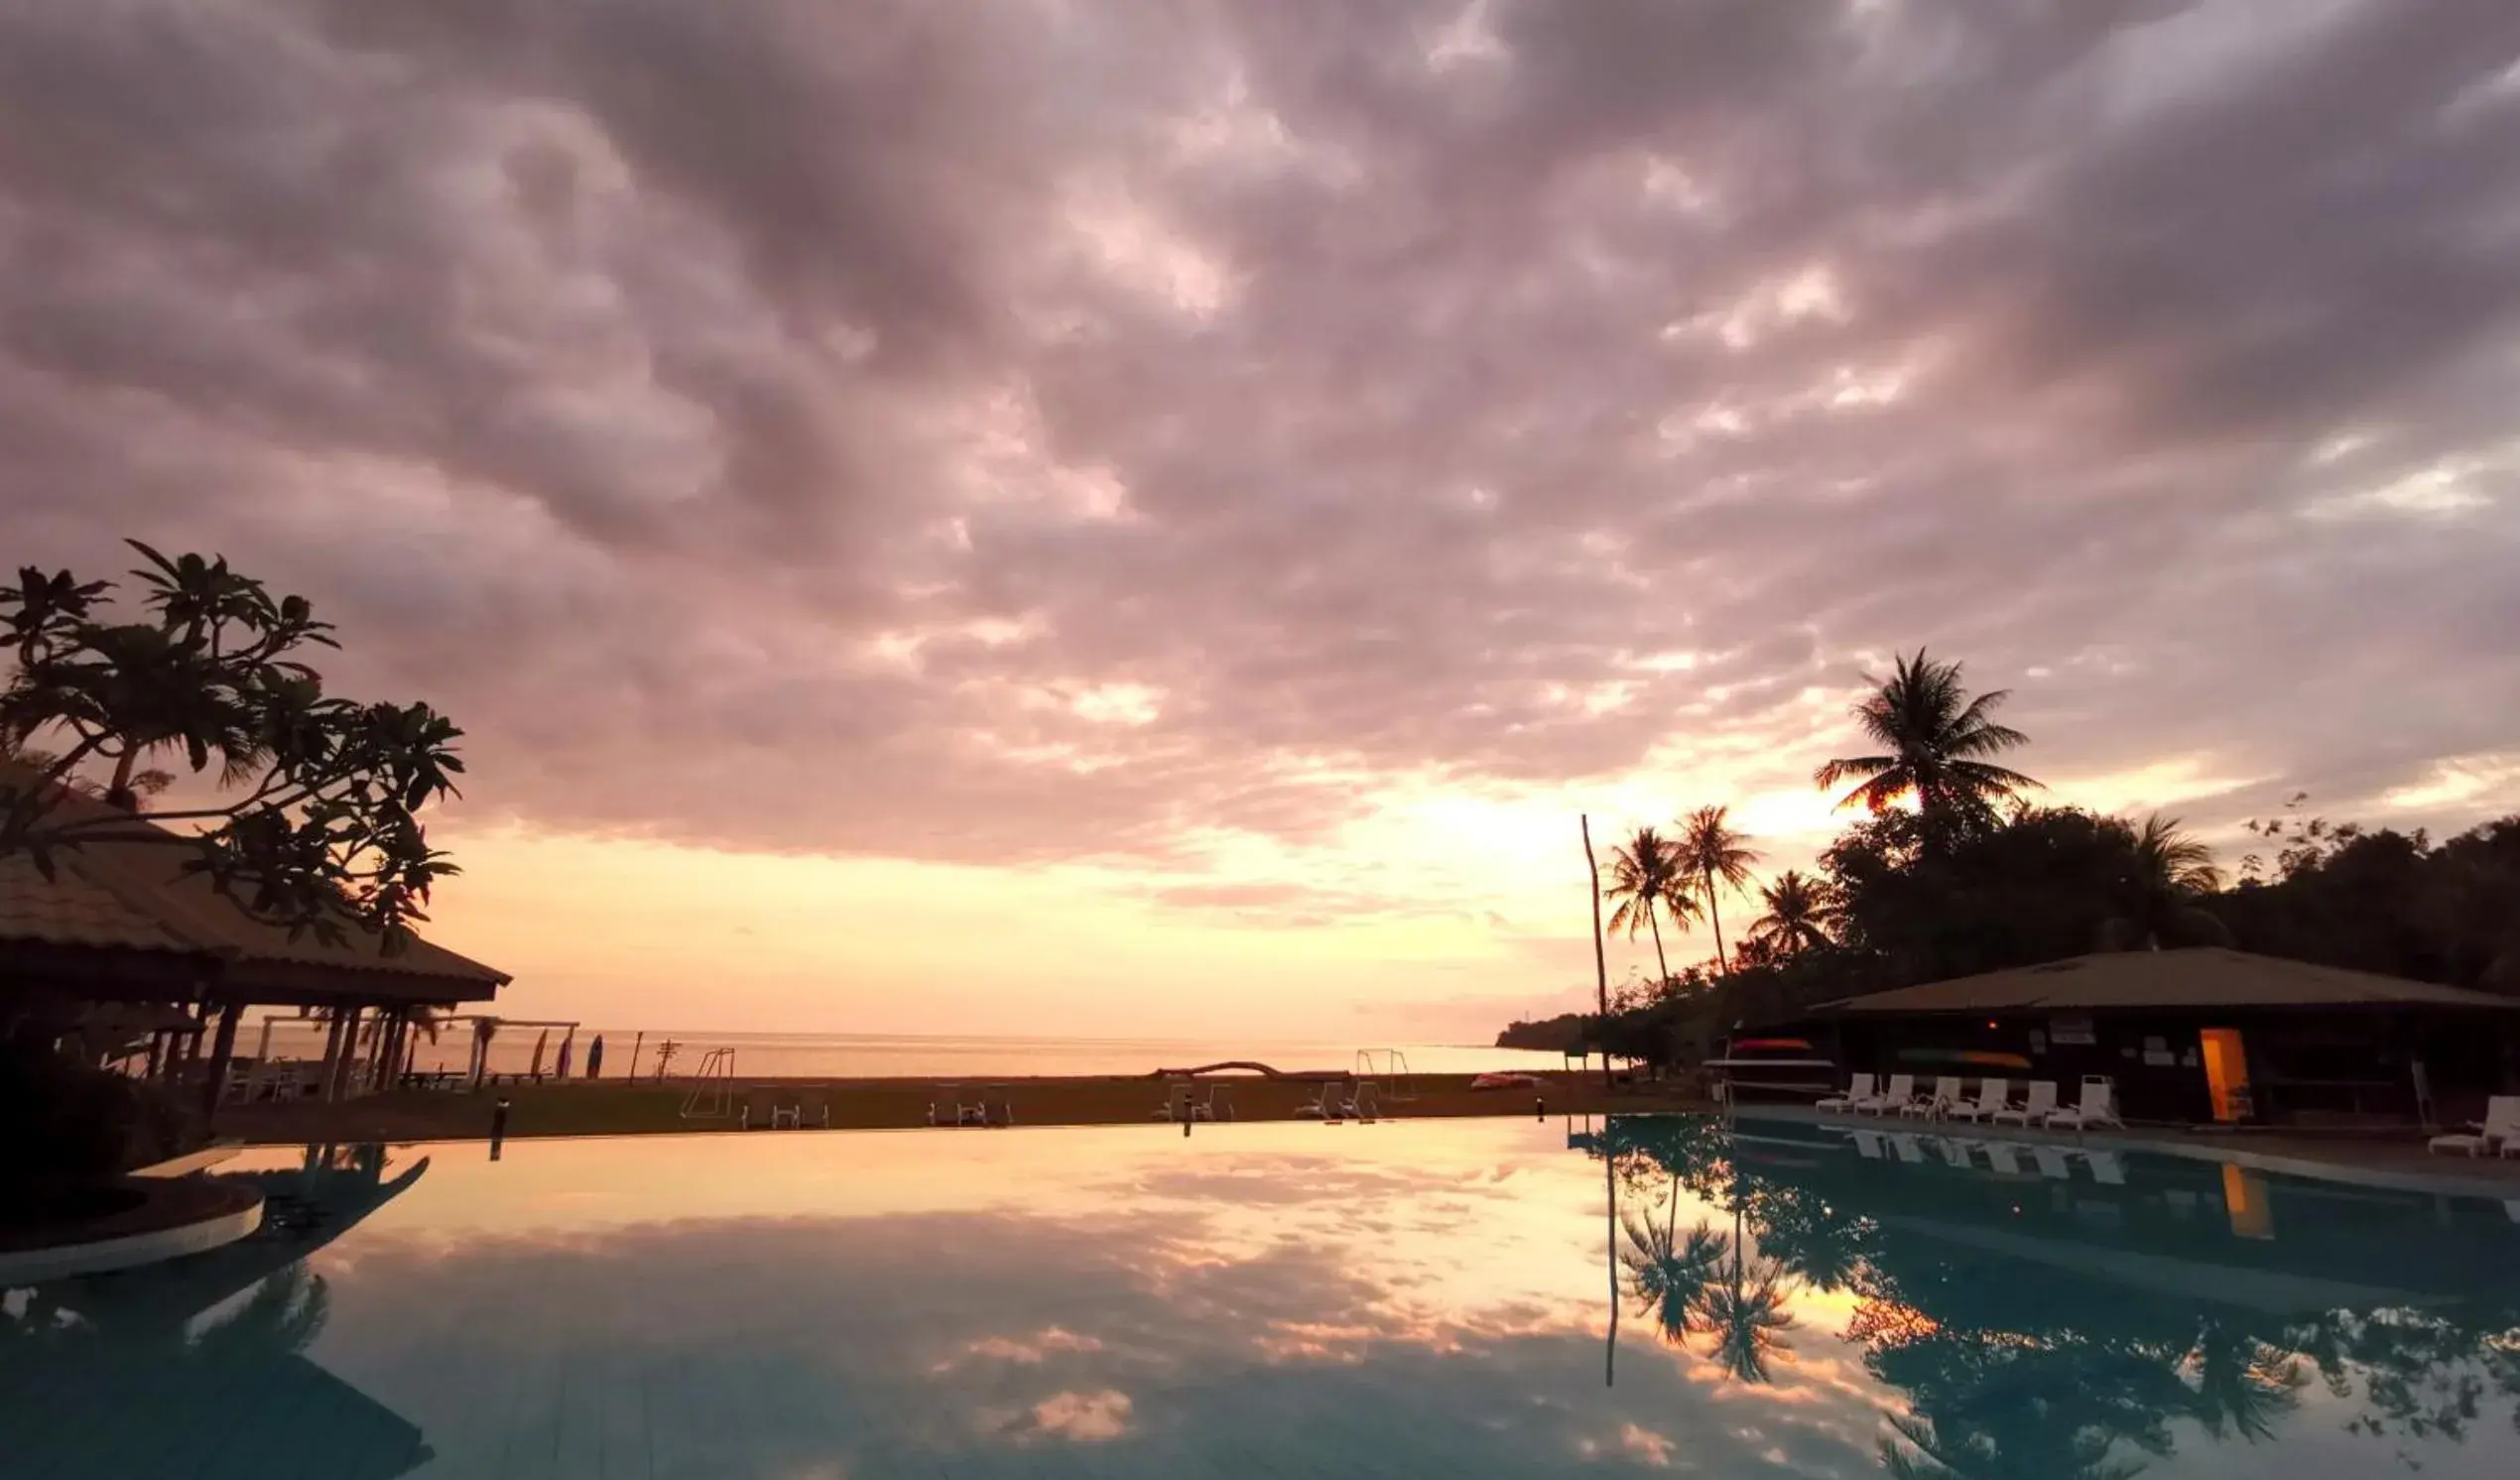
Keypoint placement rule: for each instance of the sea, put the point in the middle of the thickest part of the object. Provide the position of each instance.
(515, 1047)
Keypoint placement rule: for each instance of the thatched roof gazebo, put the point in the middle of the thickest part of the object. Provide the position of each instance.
(124, 932)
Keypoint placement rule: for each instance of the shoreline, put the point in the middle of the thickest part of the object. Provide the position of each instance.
(614, 1108)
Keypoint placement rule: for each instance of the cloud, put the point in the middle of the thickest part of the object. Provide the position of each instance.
(1040, 432)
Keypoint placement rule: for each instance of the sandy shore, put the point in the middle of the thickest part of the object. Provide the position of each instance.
(615, 1109)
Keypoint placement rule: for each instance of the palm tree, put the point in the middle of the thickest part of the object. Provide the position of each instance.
(1935, 739)
(2167, 872)
(2174, 861)
(1800, 911)
(1642, 879)
(1711, 854)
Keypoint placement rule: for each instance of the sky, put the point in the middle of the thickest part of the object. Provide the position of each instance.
(1157, 518)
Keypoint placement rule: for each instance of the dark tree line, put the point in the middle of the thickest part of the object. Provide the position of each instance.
(1953, 869)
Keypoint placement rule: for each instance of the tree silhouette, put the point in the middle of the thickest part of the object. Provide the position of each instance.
(1936, 740)
(1643, 875)
(1711, 855)
(1800, 911)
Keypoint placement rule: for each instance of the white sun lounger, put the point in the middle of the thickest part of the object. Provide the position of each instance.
(1858, 1088)
(1994, 1096)
(1946, 1093)
(1901, 1090)
(2098, 1108)
(2034, 1111)
(1329, 1106)
(2498, 1132)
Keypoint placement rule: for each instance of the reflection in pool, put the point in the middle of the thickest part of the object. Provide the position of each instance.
(1484, 1299)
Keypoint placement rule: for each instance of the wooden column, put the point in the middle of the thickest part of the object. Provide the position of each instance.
(331, 1055)
(338, 1086)
(222, 1049)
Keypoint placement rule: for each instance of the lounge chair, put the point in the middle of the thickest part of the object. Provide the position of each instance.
(1364, 1107)
(760, 1110)
(1217, 1106)
(814, 1108)
(1946, 1093)
(1176, 1106)
(1858, 1088)
(1994, 1096)
(1327, 1106)
(2498, 1132)
(2098, 1108)
(1901, 1090)
(2033, 1112)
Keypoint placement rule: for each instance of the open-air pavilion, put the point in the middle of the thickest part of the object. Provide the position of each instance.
(123, 945)
(2197, 1036)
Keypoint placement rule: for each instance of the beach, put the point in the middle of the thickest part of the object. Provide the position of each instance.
(612, 1108)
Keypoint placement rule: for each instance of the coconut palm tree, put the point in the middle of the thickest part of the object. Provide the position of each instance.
(1934, 741)
(1711, 855)
(2174, 861)
(1642, 881)
(2167, 872)
(1800, 911)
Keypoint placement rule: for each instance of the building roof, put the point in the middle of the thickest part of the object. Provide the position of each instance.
(2203, 978)
(127, 889)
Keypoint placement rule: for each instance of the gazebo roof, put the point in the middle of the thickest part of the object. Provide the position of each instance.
(123, 894)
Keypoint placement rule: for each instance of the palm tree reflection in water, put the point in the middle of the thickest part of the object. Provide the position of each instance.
(2026, 1370)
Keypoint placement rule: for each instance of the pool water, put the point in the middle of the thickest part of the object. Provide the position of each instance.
(1460, 1299)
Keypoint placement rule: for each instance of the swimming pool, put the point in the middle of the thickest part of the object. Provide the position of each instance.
(1466, 1298)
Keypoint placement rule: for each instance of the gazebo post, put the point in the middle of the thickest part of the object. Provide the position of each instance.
(347, 1076)
(222, 1049)
(331, 1055)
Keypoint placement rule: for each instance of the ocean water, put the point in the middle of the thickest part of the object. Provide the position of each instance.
(1505, 1299)
(902, 1055)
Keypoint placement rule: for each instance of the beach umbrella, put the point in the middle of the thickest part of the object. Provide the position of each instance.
(567, 1050)
(596, 1057)
(542, 1042)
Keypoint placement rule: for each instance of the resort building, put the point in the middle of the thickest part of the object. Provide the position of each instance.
(128, 953)
(2197, 1036)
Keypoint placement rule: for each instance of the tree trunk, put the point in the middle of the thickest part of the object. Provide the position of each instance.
(1654, 919)
(1601, 955)
(119, 794)
(1714, 912)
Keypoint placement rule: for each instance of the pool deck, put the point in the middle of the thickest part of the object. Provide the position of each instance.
(2398, 1163)
(613, 1108)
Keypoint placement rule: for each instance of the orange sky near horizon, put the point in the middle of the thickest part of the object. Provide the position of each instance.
(1467, 910)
